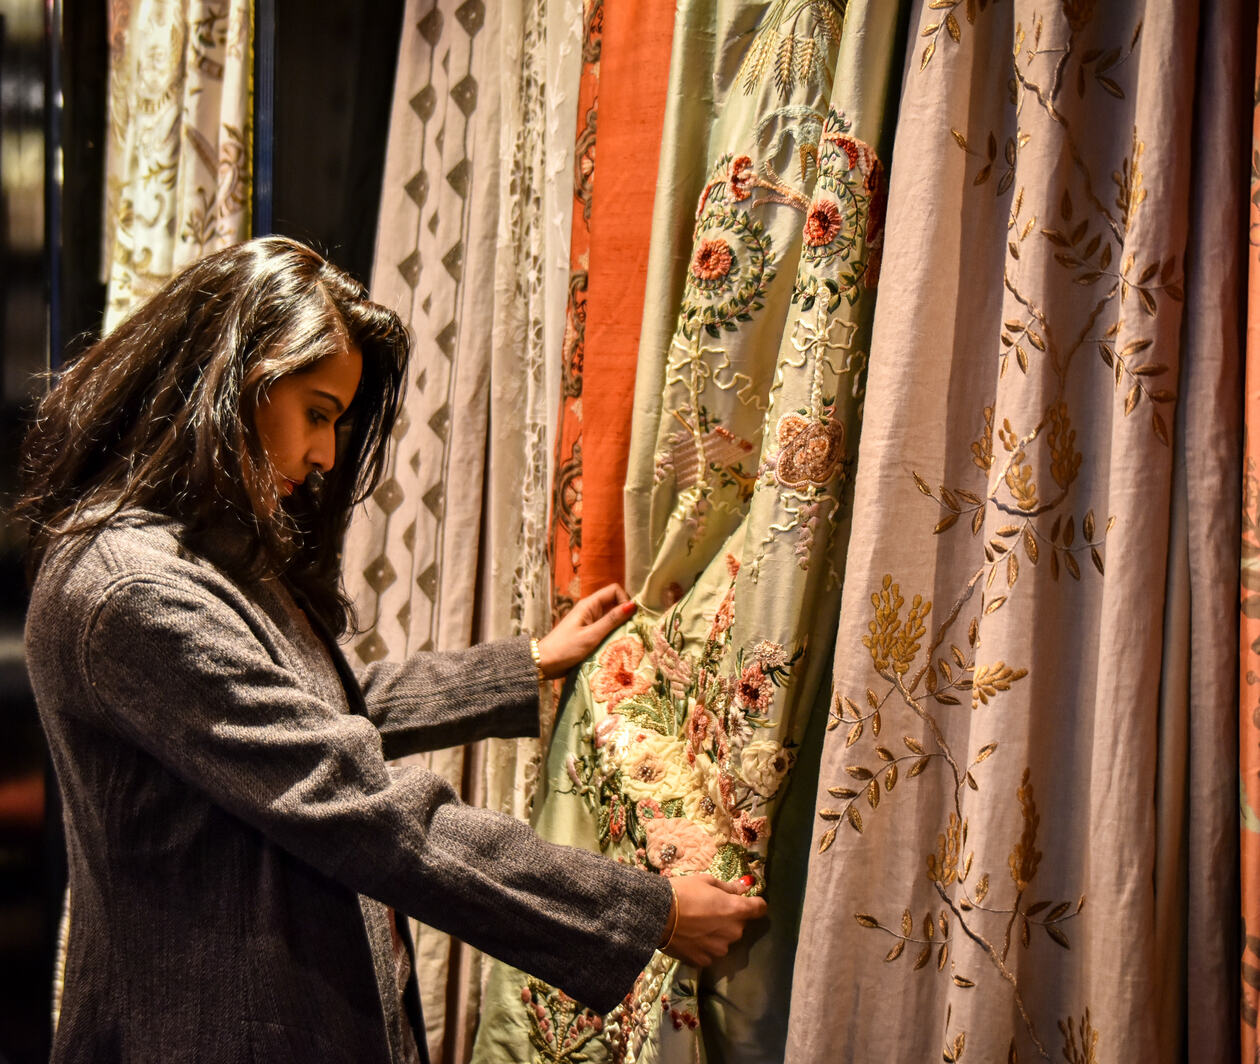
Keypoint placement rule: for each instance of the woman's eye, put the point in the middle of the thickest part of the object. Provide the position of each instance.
(316, 417)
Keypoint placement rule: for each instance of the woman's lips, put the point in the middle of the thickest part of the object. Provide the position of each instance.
(289, 486)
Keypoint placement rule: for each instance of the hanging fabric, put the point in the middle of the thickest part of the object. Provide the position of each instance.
(565, 527)
(634, 81)
(1249, 664)
(1023, 845)
(411, 554)
(676, 741)
(472, 252)
(179, 140)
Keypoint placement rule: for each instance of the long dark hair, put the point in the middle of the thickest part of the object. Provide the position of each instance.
(160, 415)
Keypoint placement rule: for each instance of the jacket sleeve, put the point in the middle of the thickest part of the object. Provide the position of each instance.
(179, 672)
(432, 701)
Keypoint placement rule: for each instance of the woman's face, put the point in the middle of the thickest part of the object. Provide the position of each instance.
(297, 418)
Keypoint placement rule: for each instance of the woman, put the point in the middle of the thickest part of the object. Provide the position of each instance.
(237, 843)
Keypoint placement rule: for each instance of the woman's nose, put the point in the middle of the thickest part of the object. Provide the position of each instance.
(324, 452)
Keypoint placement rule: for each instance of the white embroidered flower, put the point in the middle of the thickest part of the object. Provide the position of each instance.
(738, 728)
(652, 765)
(769, 655)
(763, 764)
(703, 803)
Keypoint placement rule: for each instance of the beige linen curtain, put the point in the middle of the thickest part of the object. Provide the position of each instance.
(1023, 846)
(178, 153)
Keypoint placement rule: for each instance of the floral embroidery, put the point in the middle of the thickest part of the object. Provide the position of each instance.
(677, 845)
(822, 224)
(559, 1027)
(712, 261)
(730, 269)
(810, 451)
(788, 55)
(616, 679)
(678, 774)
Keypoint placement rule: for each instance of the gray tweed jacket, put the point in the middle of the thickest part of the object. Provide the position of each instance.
(226, 807)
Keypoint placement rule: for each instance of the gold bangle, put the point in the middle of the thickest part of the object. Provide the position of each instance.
(536, 654)
(673, 918)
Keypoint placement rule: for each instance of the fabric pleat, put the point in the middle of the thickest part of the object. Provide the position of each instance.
(177, 170)
(1021, 852)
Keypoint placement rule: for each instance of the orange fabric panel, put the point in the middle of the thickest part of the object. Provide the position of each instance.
(633, 80)
(1249, 710)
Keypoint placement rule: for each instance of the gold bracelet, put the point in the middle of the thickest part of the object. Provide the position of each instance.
(536, 654)
(673, 918)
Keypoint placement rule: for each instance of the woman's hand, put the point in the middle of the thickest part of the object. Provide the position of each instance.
(582, 629)
(711, 915)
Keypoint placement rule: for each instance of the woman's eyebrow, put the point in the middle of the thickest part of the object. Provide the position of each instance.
(341, 407)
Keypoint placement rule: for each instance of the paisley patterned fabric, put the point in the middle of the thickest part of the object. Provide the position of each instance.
(179, 140)
(677, 740)
(1021, 849)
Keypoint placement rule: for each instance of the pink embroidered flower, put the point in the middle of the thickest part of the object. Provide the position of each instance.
(725, 615)
(741, 177)
(713, 259)
(605, 728)
(615, 679)
(699, 725)
(648, 809)
(822, 224)
(676, 845)
(811, 450)
(754, 689)
(732, 566)
(669, 663)
(749, 830)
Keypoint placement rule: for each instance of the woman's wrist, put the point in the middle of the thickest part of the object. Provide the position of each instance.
(671, 927)
(535, 652)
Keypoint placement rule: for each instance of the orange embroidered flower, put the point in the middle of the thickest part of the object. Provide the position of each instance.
(822, 223)
(724, 617)
(713, 259)
(615, 679)
(676, 845)
(741, 177)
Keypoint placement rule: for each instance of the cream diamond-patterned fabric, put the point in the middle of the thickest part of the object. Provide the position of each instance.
(450, 549)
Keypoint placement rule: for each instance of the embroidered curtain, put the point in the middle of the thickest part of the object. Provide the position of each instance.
(675, 742)
(1023, 848)
(179, 140)
(472, 252)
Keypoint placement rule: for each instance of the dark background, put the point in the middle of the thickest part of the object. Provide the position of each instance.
(324, 73)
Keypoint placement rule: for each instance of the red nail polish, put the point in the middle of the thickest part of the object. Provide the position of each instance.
(746, 881)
